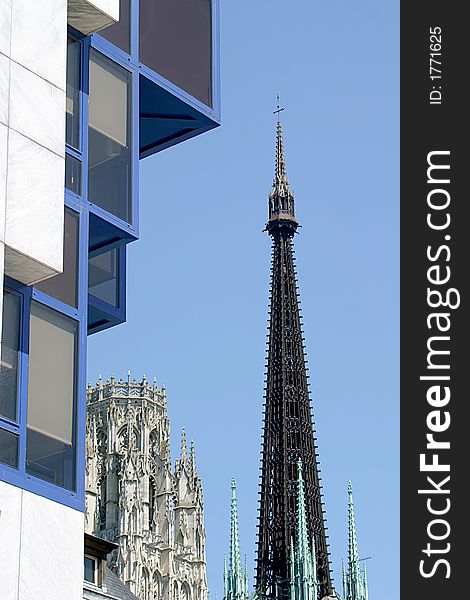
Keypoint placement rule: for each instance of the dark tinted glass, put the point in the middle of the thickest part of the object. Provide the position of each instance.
(109, 133)
(50, 441)
(64, 287)
(103, 277)
(72, 107)
(89, 569)
(10, 357)
(175, 40)
(9, 448)
(73, 174)
(119, 33)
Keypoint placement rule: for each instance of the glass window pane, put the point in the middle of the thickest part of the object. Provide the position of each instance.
(50, 442)
(9, 443)
(103, 277)
(72, 107)
(73, 174)
(119, 33)
(89, 570)
(64, 287)
(109, 177)
(10, 357)
(175, 40)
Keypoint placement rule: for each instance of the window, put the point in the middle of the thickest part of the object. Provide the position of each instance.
(90, 568)
(175, 40)
(72, 107)
(10, 356)
(64, 287)
(119, 33)
(9, 448)
(50, 443)
(109, 133)
(73, 174)
(103, 277)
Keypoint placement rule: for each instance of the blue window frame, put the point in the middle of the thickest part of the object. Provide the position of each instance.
(162, 115)
(34, 451)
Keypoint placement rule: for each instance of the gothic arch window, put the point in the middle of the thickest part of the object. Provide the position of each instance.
(176, 592)
(101, 443)
(157, 586)
(152, 503)
(124, 443)
(185, 592)
(102, 500)
(198, 543)
(154, 444)
(144, 586)
(180, 538)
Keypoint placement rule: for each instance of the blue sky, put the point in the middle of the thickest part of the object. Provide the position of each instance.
(198, 278)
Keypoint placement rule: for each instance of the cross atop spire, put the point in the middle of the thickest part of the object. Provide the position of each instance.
(281, 198)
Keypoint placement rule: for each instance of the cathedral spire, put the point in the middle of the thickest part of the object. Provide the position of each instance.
(356, 580)
(236, 579)
(281, 198)
(303, 569)
(288, 433)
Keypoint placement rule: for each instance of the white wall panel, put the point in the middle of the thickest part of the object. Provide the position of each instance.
(10, 535)
(35, 206)
(37, 109)
(39, 37)
(51, 560)
(4, 87)
(5, 26)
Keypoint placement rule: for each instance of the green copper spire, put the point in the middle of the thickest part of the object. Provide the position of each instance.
(356, 580)
(236, 578)
(303, 584)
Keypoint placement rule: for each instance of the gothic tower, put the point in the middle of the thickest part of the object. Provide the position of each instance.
(135, 499)
(288, 430)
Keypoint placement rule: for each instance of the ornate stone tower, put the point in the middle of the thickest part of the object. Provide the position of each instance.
(134, 498)
(288, 429)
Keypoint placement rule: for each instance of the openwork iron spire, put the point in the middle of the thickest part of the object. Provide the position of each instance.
(235, 579)
(354, 581)
(288, 430)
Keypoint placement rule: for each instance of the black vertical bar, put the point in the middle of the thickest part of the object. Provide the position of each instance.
(434, 271)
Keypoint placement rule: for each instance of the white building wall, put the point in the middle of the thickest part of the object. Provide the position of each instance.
(41, 541)
(41, 549)
(33, 43)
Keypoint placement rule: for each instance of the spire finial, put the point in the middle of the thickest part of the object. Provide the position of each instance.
(281, 198)
(183, 444)
(356, 581)
(278, 108)
(237, 579)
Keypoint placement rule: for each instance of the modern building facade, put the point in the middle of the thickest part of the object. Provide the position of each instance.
(87, 89)
(134, 497)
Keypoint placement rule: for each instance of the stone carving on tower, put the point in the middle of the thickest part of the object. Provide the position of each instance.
(134, 497)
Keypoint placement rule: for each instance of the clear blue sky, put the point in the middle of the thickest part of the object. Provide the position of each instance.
(198, 279)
